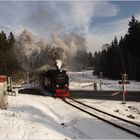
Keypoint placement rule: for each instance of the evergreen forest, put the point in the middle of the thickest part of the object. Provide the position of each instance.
(8, 62)
(121, 56)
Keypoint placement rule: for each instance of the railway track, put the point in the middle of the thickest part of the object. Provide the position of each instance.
(130, 127)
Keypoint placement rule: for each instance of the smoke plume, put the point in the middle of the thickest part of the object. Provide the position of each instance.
(37, 55)
(71, 43)
(59, 64)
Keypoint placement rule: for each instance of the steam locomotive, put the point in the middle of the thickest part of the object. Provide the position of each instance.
(56, 82)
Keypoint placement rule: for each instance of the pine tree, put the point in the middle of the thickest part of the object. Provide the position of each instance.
(11, 39)
(90, 59)
(133, 37)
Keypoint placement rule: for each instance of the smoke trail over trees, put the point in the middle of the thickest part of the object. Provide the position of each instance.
(35, 55)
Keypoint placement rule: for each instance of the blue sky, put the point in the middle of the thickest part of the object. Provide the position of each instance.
(98, 21)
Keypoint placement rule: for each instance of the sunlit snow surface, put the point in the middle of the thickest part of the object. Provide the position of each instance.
(84, 80)
(44, 117)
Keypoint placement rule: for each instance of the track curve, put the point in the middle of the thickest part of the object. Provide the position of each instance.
(130, 127)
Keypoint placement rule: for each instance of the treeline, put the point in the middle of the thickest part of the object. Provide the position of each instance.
(121, 56)
(8, 62)
(83, 59)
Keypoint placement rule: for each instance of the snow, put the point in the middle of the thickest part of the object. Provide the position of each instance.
(126, 111)
(44, 117)
(85, 81)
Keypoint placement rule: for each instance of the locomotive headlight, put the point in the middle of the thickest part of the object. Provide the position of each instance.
(57, 85)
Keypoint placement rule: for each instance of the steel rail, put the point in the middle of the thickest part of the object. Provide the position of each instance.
(116, 121)
(107, 113)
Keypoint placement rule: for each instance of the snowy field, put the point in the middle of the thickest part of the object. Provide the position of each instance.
(85, 80)
(43, 117)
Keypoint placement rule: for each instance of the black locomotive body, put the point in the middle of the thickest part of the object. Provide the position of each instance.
(56, 82)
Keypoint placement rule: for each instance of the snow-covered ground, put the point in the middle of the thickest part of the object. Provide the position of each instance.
(85, 81)
(44, 117)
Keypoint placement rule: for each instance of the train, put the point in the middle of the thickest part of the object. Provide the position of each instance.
(56, 82)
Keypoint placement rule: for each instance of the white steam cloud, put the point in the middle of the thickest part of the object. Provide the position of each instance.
(35, 55)
(59, 63)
